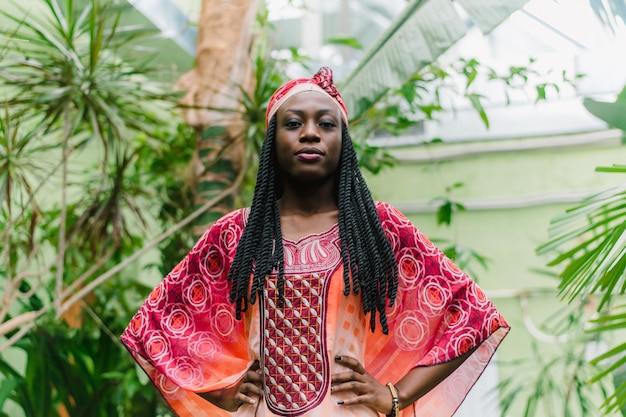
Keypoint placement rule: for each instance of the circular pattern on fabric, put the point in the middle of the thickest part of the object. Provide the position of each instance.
(495, 321)
(197, 296)
(434, 356)
(393, 214)
(178, 321)
(223, 321)
(179, 271)
(434, 296)
(457, 385)
(157, 346)
(230, 237)
(137, 325)
(453, 271)
(464, 340)
(212, 265)
(170, 390)
(393, 311)
(392, 234)
(204, 347)
(456, 315)
(411, 332)
(410, 270)
(484, 352)
(158, 297)
(479, 297)
(426, 247)
(185, 373)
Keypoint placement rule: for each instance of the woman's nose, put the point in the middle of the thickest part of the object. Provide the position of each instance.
(310, 131)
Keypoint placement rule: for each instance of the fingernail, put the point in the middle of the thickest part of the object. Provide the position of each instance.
(340, 402)
(337, 358)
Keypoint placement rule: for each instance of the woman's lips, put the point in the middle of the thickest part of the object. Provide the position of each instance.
(309, 156)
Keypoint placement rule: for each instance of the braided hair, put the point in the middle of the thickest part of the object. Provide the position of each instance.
(366, 253)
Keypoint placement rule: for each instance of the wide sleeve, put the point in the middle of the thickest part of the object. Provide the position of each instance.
(185, 335)
(439, 314)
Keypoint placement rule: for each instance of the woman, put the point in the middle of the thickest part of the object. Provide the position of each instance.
(315, 301)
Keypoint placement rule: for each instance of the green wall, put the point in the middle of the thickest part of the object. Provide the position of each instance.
(511, 189)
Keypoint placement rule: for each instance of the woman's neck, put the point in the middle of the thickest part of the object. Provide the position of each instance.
(305, 212)
(307, 200)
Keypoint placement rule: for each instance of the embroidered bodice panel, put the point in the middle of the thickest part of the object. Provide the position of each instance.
(294, 352)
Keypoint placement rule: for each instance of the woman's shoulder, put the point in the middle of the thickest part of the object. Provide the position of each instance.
(226, 230)
(232, 221)
(386, 210)
(236, 217)
(392, 218)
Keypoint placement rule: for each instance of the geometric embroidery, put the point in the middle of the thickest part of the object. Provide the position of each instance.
(295, 361)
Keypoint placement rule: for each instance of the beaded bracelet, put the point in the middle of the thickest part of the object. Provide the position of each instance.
(395, 405)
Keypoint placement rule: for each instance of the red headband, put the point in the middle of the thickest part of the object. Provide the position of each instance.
(322, 82)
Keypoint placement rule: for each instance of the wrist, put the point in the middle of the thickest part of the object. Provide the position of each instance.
(395, 401)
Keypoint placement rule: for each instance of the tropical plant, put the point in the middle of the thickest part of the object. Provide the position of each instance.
(591, 241)
(554, 380)
(590, 245)
(82, 128)
(612, 113)
(422, 32)
(609, 12)
(74, 372)
(69, 95)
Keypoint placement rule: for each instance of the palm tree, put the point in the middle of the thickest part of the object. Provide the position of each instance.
(81, 127)
(590, 240)
(214, 91)
(66, 89)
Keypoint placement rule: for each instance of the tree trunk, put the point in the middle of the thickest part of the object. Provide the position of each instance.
(223, 66)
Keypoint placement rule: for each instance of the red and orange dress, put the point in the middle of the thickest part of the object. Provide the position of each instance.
(187, 339)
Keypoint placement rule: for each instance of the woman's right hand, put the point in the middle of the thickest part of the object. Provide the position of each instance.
(247, 390)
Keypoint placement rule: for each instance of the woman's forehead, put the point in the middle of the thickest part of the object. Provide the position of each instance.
(310, 100)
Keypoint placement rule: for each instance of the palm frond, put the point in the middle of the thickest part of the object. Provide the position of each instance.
(417, 37)
(592, 239)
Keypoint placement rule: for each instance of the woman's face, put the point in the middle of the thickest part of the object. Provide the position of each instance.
(308, 137)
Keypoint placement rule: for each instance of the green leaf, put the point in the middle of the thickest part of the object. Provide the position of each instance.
(7, 386)
(475, 99)
(611, 113)
(416, 38)
(541, 92)
(346, 41)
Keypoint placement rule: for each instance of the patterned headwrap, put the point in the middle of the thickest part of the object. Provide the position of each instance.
(321, 82)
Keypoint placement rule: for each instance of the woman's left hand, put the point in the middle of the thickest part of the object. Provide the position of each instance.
(365, 388)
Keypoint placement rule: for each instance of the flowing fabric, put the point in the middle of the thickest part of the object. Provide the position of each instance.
(185, 335)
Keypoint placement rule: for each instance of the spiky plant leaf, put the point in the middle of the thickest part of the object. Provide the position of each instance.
(417, 37)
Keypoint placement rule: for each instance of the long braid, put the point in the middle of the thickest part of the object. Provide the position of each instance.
(368, 260)
(347, 222)
(260, 247)
(371, 261)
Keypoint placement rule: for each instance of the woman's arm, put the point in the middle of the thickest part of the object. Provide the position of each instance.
(369, 391)
(419, 381)
(247, 390)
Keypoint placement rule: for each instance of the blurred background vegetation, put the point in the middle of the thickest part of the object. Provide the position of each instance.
(117, 150)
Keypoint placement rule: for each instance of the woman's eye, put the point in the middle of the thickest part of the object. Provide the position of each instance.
(327, 125)
(292, 124)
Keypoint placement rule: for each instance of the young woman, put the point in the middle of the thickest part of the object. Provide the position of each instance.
(316, 300)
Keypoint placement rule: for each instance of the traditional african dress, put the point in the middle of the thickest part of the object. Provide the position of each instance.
(187, 339)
